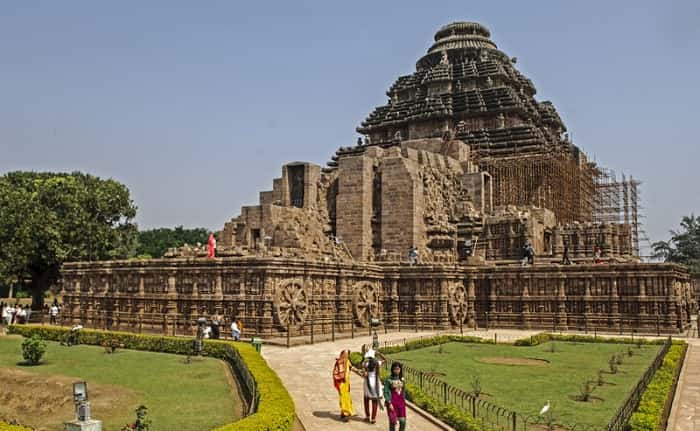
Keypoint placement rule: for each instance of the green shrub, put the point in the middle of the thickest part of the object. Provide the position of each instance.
(612, 362)
(33, 348)
(356, 359)
(9, 427)
(649, 414)
(142, 422)
(275, 410)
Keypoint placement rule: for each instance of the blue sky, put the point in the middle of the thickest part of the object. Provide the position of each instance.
(196, 105)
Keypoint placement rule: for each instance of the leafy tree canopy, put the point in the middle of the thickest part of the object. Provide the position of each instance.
(684, 245)
(50, 218)
(155, 242)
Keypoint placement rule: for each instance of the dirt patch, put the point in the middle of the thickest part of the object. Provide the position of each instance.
(503, 360)
(591, 399)
(45, 402)
(433, 374)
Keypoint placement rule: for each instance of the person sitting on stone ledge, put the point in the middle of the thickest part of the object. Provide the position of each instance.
(598, 254)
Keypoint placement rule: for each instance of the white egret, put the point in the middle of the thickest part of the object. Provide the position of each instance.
(545, 409)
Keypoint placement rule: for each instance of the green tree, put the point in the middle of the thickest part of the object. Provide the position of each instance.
(50, 218)
(155, 242)
(684, 245)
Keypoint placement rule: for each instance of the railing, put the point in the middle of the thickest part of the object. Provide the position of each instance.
(497, 417)
(247, 385)
(624, 413)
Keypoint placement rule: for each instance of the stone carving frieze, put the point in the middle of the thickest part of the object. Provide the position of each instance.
(458, 301)
(366, 303)
(291, 304)
(155, 284)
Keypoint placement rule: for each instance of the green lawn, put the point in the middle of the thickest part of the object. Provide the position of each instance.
(526, 388)
(196, 396)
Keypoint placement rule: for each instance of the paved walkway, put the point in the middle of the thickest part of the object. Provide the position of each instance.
(685, 413)
(306, 372)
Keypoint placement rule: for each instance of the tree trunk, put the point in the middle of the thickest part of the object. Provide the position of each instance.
(41, 282)
(11, 292)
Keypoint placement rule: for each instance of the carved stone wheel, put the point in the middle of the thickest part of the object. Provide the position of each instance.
(365, 304)
(458, 304)
(291, 305)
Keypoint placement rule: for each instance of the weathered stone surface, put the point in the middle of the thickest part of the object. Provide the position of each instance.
(464, 166)
(268, 294)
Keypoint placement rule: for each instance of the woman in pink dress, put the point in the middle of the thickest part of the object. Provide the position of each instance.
(395, 398)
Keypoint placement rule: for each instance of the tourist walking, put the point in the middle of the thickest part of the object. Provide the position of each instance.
(372, 385)
(235, 330)
(395, 398)
(53, 312)
(21, 315)
(15, 314)
(215, 322)
(10, 312)
(341, 381)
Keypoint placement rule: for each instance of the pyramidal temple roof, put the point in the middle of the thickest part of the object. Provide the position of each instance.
(465, 86)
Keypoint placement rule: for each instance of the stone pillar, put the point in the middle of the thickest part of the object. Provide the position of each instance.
(587, 301)
(525, 301)
(614, 303)
(219, 294)
(394, 301)
(471, 299)
(557, 242)
(492, 301)
(444, 318)
(562, 321)
(172, 314)
(580, 246)
(341, 303)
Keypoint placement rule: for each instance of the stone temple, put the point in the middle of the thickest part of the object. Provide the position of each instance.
(464, 165)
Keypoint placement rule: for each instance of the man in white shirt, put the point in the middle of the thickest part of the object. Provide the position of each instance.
(21, 315)
(53, 313)
(5, 320)
(235, 331)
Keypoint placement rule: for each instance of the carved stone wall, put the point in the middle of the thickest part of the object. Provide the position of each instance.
(273, 295)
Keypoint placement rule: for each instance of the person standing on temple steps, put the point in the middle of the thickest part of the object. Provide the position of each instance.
(565, 259)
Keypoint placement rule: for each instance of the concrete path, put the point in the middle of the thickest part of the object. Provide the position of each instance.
(306, 373)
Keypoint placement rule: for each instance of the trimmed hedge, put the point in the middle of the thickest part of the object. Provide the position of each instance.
(433, 341)
(545, 337)
(275, 408)
(460, 420)
(649, 414)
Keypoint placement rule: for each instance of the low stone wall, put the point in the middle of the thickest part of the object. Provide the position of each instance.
(272, 295)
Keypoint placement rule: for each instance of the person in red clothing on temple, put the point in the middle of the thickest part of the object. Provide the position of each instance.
(211, 246)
